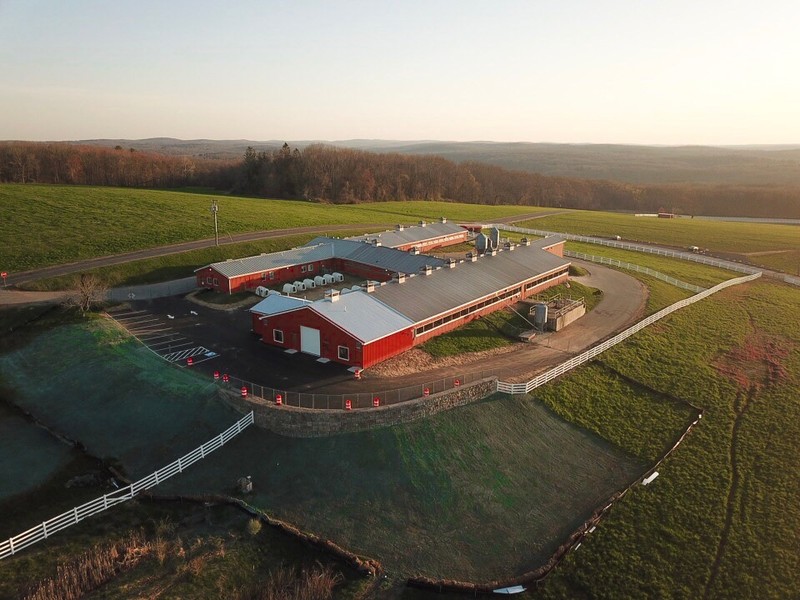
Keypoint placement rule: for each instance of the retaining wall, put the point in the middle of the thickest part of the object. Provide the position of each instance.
(307, 423)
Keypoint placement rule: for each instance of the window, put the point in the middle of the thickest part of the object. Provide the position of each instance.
(303, 269)
(310, 268)
(344, 353)
(209, 280)
(277, 335)
(263, 277)
(216, 281)
(272, 274)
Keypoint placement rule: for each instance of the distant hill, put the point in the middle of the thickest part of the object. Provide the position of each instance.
(730, 165)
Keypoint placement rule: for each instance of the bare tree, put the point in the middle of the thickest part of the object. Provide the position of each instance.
(89, 290)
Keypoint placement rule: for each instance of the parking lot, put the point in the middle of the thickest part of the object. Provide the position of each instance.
(220, 340)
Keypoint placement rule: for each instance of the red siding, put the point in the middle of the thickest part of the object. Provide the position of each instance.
(331, 337)
(557, 249)
(437, 242)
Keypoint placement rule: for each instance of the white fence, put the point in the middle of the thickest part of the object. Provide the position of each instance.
(604, 260)
(690, 256)
(525, 388)
(79, 513)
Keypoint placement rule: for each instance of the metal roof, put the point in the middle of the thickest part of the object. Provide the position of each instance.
(275, 260)
(278, 303)
(394, 261)
(322, 248)
(425, 296)
(411, 234)
(362, 315)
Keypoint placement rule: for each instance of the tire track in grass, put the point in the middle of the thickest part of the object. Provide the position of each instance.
(741, 405)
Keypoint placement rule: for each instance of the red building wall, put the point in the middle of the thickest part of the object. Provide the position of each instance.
(439, 242)
(331, 337)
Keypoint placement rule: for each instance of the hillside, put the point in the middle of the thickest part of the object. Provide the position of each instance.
(742, 165)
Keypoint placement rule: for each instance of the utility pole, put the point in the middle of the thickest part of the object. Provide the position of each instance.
(214, 211)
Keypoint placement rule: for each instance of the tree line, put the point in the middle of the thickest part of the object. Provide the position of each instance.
(346, 176)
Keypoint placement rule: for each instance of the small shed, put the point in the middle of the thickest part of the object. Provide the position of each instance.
(319, 281)
(289, 288)
(327, 279)
(309, 283)
(261, 291)
(301, 287)
(338, 277)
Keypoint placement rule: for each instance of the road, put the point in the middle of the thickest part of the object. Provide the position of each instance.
(118, 259)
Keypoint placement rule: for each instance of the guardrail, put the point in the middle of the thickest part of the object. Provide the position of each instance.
(527, 387)
(79, 513)
(604, 260)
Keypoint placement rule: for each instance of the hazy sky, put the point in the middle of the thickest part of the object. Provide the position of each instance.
(640, 71)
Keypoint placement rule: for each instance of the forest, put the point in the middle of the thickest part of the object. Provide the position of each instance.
(324, 173)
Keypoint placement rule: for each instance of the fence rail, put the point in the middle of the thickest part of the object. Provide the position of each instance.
(604, 260)
(527, 387)
(79, 513)
(358, 399)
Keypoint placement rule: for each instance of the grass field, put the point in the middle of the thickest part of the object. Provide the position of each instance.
(407, 495)
(46, 224)
(723, 519)
(687, 271)
(189, 551)
(780, 243)
(500, 328)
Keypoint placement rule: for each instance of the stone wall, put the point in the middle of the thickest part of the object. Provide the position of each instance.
(303, 422)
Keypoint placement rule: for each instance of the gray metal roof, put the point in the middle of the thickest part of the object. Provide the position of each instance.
(275, 260)
(322, 248)
(411, 234)
(394, 261)
(425, 296)
(278, 303)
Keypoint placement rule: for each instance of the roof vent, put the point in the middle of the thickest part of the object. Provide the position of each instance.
(370, 287)
(525, 242)
(332, 295)
(414, 250)
(471, 257)
(492, 252)
(399, 227)
(422, 223)
(427, 269)
(375, 242)
(451, 263)
(401, 278)
(443, 220)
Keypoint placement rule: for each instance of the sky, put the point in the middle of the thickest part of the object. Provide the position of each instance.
(639, 72)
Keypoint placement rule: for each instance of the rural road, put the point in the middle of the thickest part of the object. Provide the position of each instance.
(14, 297)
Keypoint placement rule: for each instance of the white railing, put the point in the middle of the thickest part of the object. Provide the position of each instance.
(604, 260)
(698, 258)
(527, 387)
(79, 513)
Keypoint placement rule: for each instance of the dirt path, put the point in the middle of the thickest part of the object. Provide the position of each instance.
(13, 297)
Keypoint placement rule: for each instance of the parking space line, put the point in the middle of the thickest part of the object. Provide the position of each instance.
(171, 341)
(150, 338)
(170, 349)
(142, 317)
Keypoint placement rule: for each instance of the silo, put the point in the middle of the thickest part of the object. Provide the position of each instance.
(540, 315)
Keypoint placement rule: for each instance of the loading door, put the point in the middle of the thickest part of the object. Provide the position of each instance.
(309, 340)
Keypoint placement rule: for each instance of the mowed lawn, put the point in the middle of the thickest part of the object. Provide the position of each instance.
(48, 224)
(768, 245)
(723, 518)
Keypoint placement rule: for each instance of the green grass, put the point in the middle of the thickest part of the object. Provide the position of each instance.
(741, 239)
(686, 271)
(500, 328)
(729, 495)
(48, 224)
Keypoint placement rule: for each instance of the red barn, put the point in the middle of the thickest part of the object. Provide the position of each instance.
(362, 328)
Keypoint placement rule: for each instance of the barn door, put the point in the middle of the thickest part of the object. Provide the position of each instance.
(309, 340)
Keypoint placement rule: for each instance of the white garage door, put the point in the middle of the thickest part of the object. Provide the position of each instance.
(309, 340)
